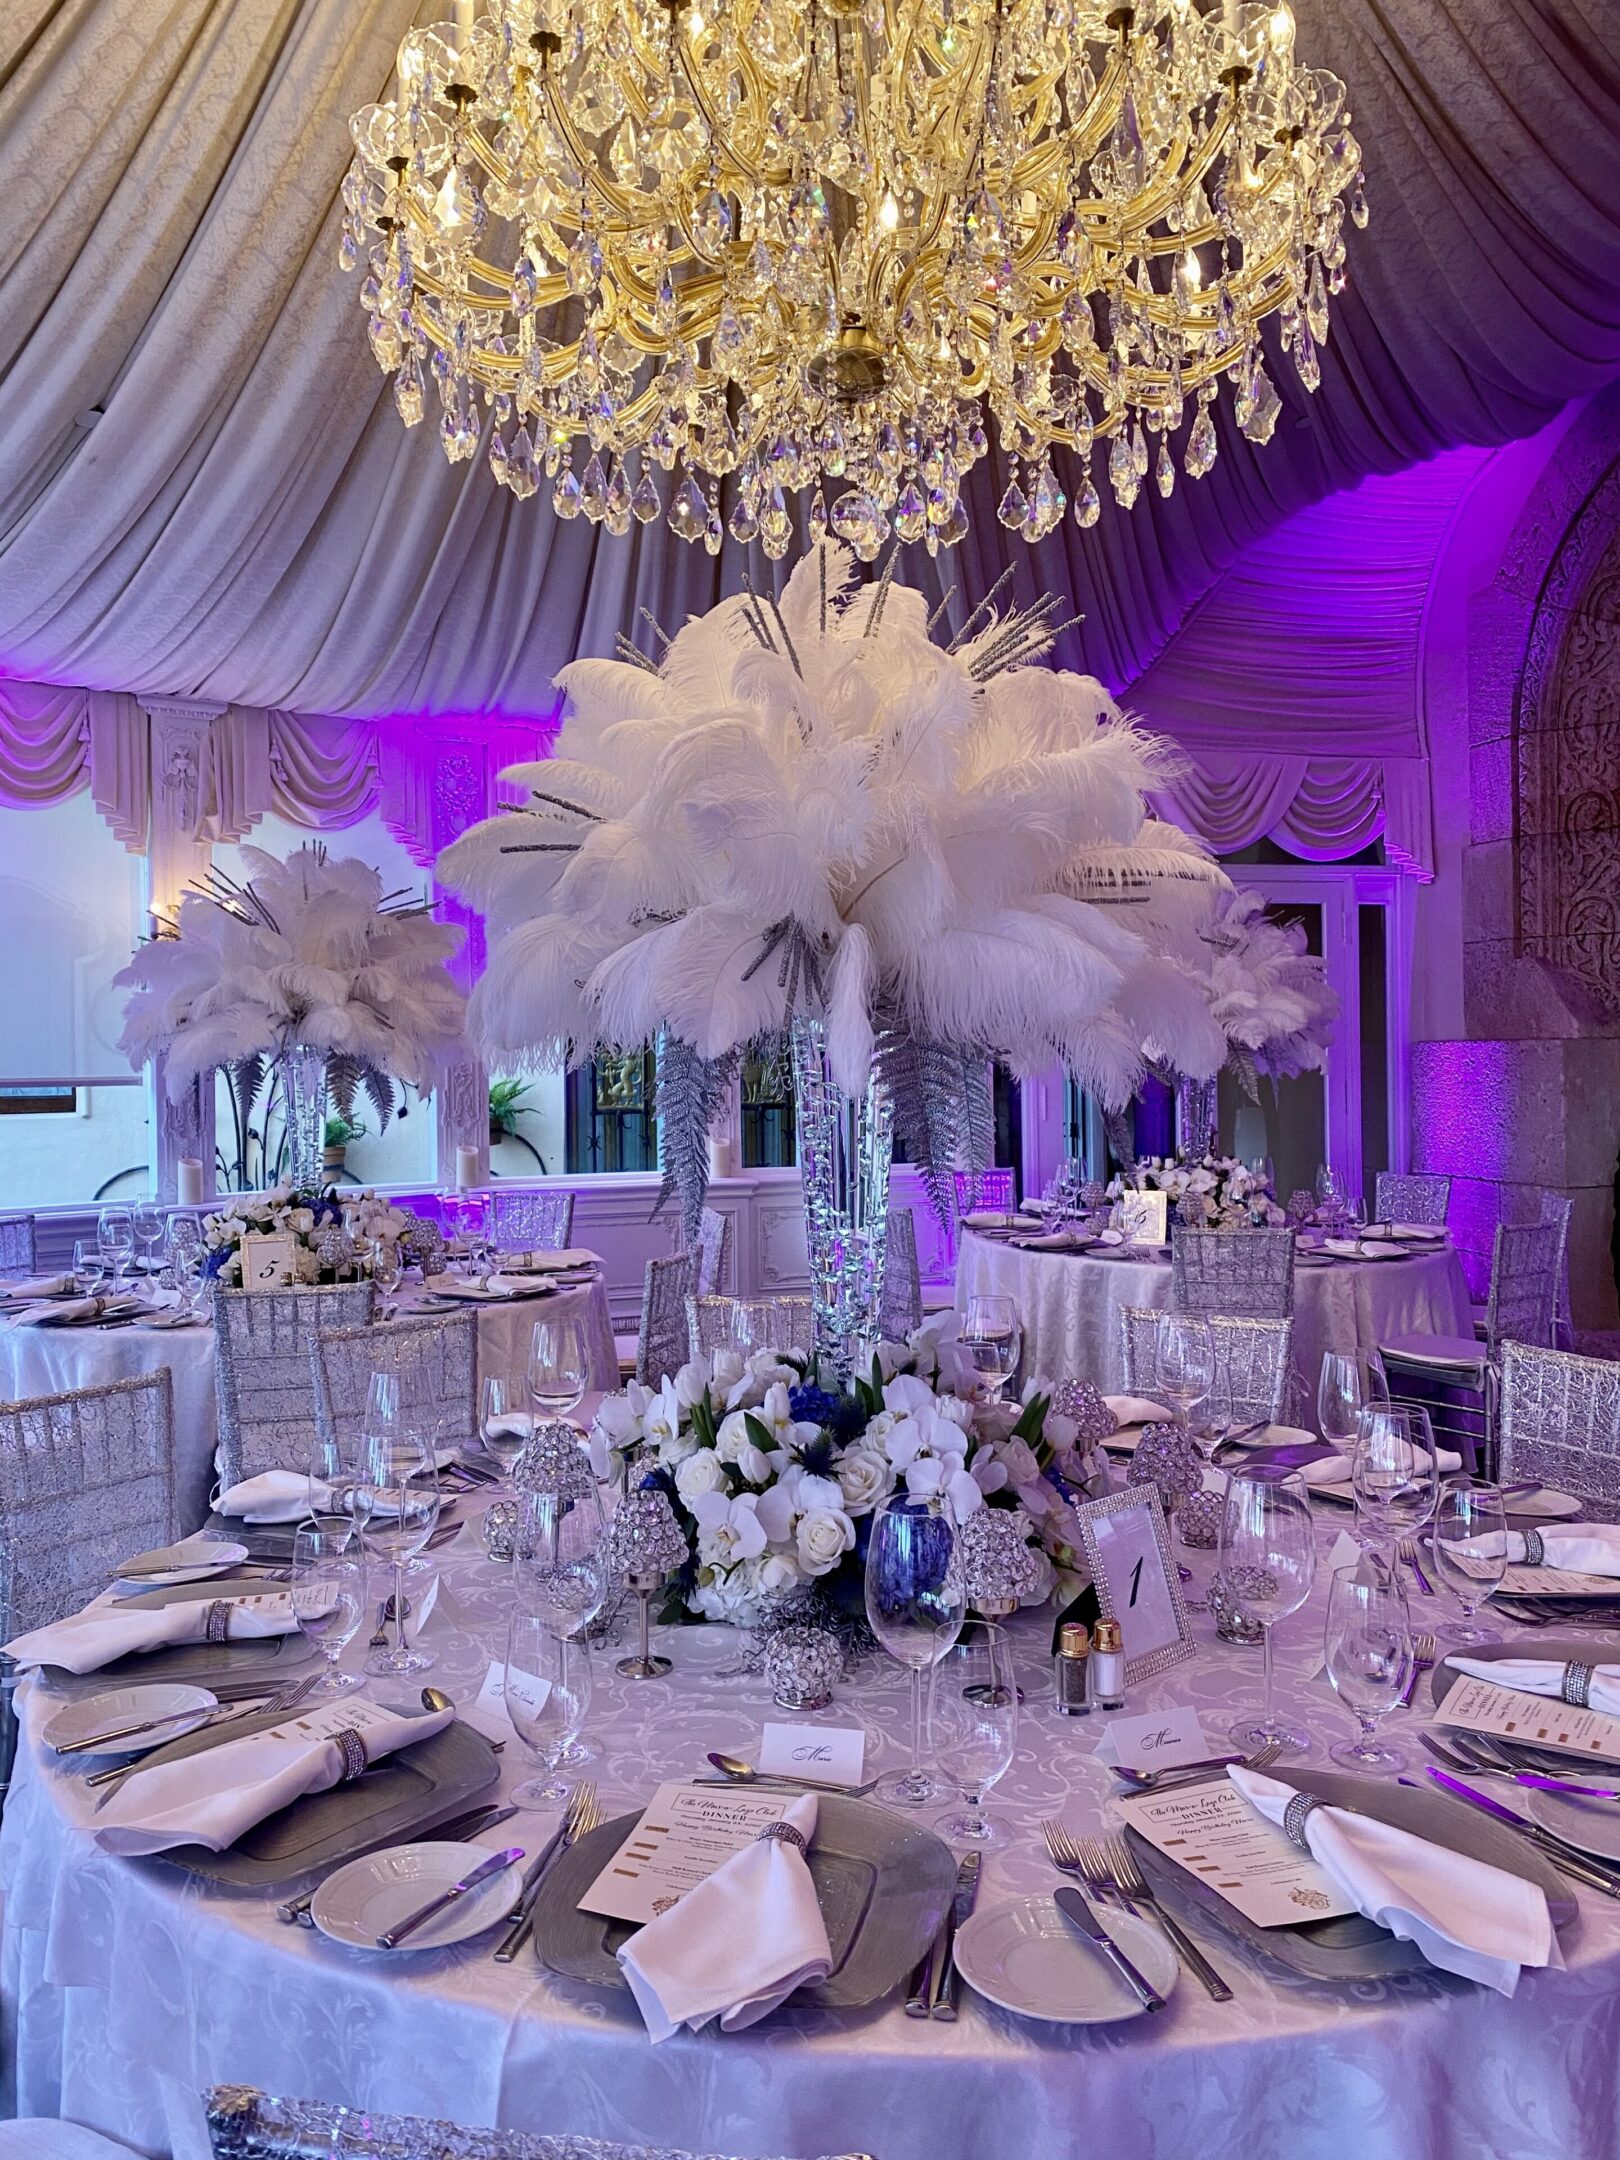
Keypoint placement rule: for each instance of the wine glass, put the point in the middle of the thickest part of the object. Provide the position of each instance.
(148, 1226)
(915, 1609)
(1394, 1470)
(1348, 1382)
(1367, 1649)
(1183, 1362)
(547, 1689)
(505, 1421)
(115, 1234)
(397, 1510)
(974, 1724)
(559, 1365)
(328, 1597)
(1469, 1543)
(993, 1339)
(89, 1265)
(1268, 1563)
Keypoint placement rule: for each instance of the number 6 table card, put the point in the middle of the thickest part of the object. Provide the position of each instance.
(1213, 1833)
(685, 1833)
(1536, 1720)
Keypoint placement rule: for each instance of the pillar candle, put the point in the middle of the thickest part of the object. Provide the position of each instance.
(467, 1168)
(189, 1181)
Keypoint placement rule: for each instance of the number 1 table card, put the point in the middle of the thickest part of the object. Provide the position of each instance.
(1133, 1570)
(1536, 1720)
(685, 1833)
(1213, 1833)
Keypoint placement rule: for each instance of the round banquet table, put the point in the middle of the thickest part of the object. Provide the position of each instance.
(1070, 1303)
(123, 1983)
(50, 1360)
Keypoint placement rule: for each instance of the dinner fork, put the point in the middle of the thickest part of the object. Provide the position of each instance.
(1198, 1773)
(1424, 1652)
(1407, 1548)
(583, 1815)
(288, 1698)
(1112, 1870)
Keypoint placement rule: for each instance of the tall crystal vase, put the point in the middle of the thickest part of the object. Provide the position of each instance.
(845, 1149)
(303, 1106)
(1197, 1116)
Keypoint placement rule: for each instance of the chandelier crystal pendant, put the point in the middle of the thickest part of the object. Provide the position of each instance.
(816, 250)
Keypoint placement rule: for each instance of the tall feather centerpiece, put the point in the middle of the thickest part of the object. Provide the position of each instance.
(306, 964)
(808, 817)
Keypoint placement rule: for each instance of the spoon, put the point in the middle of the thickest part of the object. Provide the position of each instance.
(735, 1771)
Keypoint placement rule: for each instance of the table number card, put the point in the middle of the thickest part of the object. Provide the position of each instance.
(1536, 1720)
(267, 1262)
(1213, 1833)
(686, 1832)
(1143, 1216)
(1133, 1570)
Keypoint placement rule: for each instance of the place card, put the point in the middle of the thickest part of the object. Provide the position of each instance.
(1155, 1740)
(685, 1833)
(1536, 1720)
(1558, 1582)
(489, 1714)
(1344, 1552)
(1213, 1833)
(829, 1754)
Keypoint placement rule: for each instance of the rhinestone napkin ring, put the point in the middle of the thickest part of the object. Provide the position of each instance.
(353, 1750)
(217, 1621)
(1295, 1816)
(1576, 1686)
(783, 1833)
(1535, 1550)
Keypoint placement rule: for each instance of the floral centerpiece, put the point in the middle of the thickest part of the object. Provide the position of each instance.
(1232, 1195)
(775, 1479)
(332, 1240)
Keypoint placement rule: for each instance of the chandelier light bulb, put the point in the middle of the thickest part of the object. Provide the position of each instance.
(760, 265)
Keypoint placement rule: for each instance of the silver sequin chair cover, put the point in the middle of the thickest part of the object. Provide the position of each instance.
(1560, 1425)
(1410, 1196)
(435, 1356)
(709, 1324)
(662, 1347)
(86, 1479)
(247, 2125)
(1249, 1272)
(262, 1385)
(709, 1253)
(994, 1189)
(900, 1312)
(16, 1246)
(531, 1220)
(1253, 1364)
(1556, 1210)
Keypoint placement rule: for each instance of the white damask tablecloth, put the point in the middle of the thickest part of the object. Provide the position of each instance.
(122, 1985)
(1071, 1303)
(49, 1360)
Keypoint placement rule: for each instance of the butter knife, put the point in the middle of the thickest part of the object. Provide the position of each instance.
(1569, 1859)
(1080, 1916)
(392, 1937)
(942, 1997)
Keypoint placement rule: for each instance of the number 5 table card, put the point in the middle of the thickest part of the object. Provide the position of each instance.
(685, 1833)
(1213, 1833)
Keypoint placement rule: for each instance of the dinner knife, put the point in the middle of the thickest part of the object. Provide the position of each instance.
(294, 1912)
(391, 1938)
(942, 1997)
(1080, 1916)
(523, 1916)
(1569, 1858)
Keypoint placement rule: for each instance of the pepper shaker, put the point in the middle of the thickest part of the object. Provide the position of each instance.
(1070, 1669)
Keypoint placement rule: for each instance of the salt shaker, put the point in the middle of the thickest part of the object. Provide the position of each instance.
(1070, 1669)
(1108, 1666)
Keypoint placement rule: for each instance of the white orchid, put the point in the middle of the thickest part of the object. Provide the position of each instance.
(729, 1530)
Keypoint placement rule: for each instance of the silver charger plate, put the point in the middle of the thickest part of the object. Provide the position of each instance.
(883, 1885)
(402, 1797)
(275, 1658)
(1353, 1947)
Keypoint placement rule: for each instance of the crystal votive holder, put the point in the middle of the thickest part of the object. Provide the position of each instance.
(1199, 1520)
(801, 1664)
(1231, 1625)
(501, 1529)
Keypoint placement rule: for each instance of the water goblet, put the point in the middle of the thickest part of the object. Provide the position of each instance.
(993, 1339)
(559, 1366)
(547, 1690)
(328, 1598)
(1367, 1650)
(1394, 1471)
(505, 1421)
(973, 1723)
(1268, 1563)
(115, 1234)
(1349, 1380)
(915, 1608)
(1184, 1362)
(397, 1511)
(1469, 1544)
(89, 1265)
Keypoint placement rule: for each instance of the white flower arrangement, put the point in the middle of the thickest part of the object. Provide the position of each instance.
(307, 1219)
(1234, 1195)
(775, 1481)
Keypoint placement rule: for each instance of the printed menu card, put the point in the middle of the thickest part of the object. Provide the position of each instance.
(685, 1833)
(1537, 1720)
(1213, 1833)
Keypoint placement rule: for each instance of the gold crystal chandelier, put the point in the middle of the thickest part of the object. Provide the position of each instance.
(799, 256)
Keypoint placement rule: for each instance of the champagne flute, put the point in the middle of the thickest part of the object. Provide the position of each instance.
(1367, 1650)
(328, 1597)
(1469, 1544)
(914, 1607)
(974, 1723)
(1183, 1363)
(547, 1690)
(559, 1365)
(505, 1422)
(1394, 1472)
(1268, 1563)
(993, 1339)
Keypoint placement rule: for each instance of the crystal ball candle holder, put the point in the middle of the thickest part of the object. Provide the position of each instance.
(801, 1665)
(1165, 1456)
(1081, 1402)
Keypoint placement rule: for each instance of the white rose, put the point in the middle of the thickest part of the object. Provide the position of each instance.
(823, 1537)
(700, 1473)
(732, 1436)
(1018, 1459)
(777, 1572)
(865, 1479)
(879, 1429)
(301, 1220)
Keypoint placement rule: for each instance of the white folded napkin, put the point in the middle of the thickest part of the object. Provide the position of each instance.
(563, 1260)
(1050, 1240)
(283, 1496)
(737, 1945)
(40, 1286)
(1584, 1548)
(987, 1219)
(213, 1797)
(85, 1308)
(1335, 1469)
(1137, 1410)
(1542, 1676)
(1464, 1915)
(85, 1641)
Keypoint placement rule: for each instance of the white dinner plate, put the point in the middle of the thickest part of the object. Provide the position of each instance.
(130, 1706)
(1543, 1502)
(188, 1567)
(359, 1902)
(1026, 1957)
(1593, 1825)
